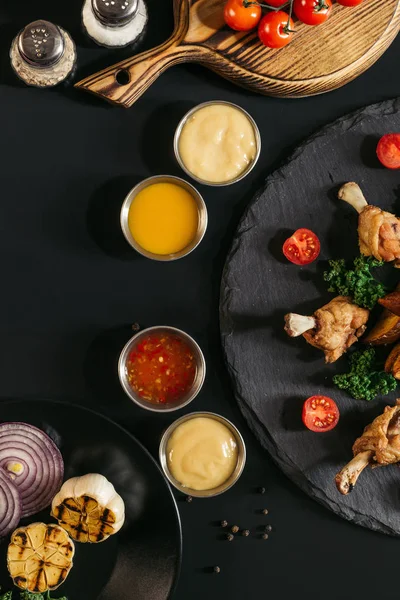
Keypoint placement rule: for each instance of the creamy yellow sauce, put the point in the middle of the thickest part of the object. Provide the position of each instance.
(217, 143)
(202, 453)
(163, 218)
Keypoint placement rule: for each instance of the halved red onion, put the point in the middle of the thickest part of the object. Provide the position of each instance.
(10, 505)
(34, 464)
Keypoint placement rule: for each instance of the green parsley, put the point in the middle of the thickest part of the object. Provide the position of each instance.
(364, 381)
(357, 282)
(30, 596)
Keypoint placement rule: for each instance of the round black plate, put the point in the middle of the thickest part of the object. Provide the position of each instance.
(273, 374)
(143, 560)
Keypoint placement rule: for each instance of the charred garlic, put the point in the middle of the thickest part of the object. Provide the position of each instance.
(114, 23)
(89, 508)
(39, 557)
(43, 54)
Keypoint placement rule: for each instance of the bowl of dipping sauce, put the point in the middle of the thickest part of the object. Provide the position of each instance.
(161, 369)
(202, 454)
(164, 218)
(217, 143)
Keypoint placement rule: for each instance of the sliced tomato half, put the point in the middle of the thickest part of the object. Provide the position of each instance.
(320, 413)
(302, 248)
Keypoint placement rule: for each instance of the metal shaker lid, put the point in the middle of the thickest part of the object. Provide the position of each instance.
(41, 44)
(115, 13)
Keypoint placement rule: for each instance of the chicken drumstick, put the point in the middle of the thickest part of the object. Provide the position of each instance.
(378, 230)
(378, 446)
(333, 328)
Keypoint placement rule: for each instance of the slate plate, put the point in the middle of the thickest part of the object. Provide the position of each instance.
(142, 561)
(273, 374)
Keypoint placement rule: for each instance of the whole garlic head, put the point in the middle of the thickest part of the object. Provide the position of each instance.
(89, 508)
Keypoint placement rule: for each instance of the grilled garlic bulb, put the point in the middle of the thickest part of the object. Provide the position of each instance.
(39, 557)
(89, 508)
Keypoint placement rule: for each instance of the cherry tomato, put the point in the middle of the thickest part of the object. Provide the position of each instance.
(312, 12)
(302, 248)
(349, 2)
(320, 413)
(240, 17)
(388, 150)
(273, 29)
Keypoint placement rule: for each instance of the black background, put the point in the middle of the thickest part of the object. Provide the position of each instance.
(70, 288)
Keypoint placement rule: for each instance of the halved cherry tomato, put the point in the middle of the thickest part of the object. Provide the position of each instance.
(388, 150)
(312, 12)
(349, 2)
(275, 29)
(302, 248)
(241, 18)
(320, 413)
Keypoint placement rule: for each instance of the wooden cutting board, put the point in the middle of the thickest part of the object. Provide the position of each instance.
(318, 60)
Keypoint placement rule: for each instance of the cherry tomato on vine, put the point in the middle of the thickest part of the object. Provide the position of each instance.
(312, 12)
(320, 413)
(275, 29)
(388, 150)
(240, 17)
(349, 2)
(302, 248)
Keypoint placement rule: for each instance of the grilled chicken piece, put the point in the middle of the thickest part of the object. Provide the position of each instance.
(333, 328)
(39, 557)
(378, 446)
(378, 230)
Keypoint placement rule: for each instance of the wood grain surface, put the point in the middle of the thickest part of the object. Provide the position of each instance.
(318, 60)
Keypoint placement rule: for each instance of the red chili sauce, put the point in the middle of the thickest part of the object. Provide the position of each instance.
(161, 368)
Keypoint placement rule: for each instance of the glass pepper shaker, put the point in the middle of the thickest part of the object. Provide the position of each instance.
(43, 54)
(114, 23)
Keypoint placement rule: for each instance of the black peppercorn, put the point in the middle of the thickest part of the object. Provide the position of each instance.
(235, 529)
(189, 499)
(224, 523)
(261, 490)
(268, 528)
(135, 327)
(229, 537)
(245, 533)
(265, 511)
(264, 536)
(217, 570)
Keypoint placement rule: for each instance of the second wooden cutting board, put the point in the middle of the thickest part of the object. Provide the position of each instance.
(318, 60)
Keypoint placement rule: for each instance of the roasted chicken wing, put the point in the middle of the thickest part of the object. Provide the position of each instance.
(333, 328)
(378, 230)
(378, 446)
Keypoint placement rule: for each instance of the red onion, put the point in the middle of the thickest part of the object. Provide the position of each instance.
(34, 464)
(10, 505)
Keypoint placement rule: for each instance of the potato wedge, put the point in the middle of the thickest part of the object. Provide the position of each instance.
(392, 364)
(385, 331)
(391, 302)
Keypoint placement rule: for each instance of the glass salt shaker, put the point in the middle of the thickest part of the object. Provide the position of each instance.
(114, 23)
(43, 54)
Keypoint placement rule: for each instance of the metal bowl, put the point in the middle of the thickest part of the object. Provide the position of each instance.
(229, 482)
(198, 380)
(183, 123)
(201, 228)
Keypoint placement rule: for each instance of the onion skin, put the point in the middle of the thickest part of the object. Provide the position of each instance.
(10, 505)
(42, 464)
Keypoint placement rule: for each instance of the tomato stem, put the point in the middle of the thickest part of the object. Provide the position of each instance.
(287, 28)
(321, 5)
(248, 3)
